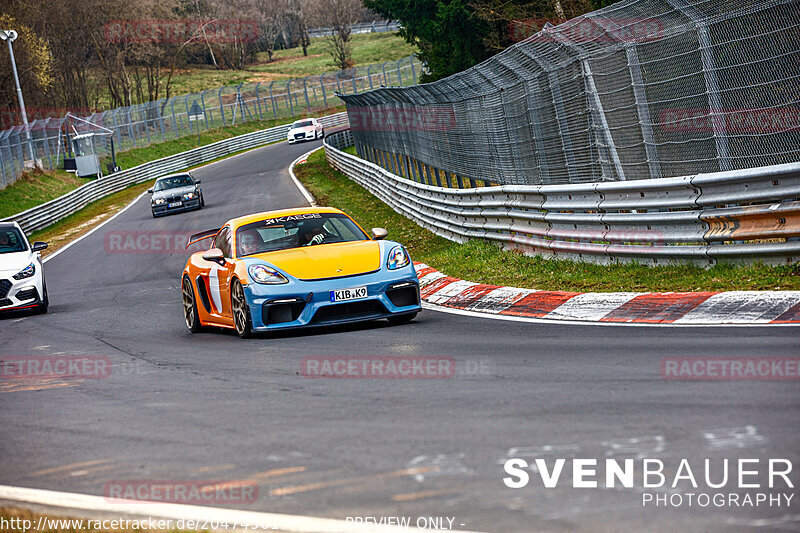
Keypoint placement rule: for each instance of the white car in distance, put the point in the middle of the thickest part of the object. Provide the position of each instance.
(307, 129)
(22, 285)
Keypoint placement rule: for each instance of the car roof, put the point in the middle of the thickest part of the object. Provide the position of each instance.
(6, 225)
(255, 217)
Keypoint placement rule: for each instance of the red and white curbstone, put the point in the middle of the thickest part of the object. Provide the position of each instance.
(734, 307)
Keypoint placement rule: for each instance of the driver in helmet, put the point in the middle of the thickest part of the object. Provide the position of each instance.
(312, 232)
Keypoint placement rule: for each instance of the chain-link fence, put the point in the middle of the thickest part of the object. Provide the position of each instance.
(640, 89)
(178, 116)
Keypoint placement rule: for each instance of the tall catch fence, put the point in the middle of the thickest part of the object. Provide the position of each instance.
(190, 114)
(641, 89)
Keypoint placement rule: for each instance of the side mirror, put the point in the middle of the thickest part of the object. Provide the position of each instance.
(197, 182)
(379, 233)
(215, 255)
(149, 191)
(38, 246)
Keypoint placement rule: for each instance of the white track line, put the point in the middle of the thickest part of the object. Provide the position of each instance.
(308, 196)
(174, 511)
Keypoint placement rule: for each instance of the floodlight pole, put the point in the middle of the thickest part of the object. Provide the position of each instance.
(11, 36)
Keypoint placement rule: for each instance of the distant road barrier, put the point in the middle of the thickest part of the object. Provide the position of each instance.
(48, 213)
(735, 216)
(381, 26)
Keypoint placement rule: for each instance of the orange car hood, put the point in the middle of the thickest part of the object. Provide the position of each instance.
(327, 260)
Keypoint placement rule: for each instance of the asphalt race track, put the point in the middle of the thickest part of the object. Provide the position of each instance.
(179, 406)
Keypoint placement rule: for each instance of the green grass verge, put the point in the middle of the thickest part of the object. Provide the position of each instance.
(368, 48)
(482, 261)
(35, 188)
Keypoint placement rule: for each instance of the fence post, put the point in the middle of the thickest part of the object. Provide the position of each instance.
(258, 102)
(203, 101)
(160, 118)
(272, 99)
(174, 122)
(221, 107)
(305, 92)
(612, 148)
(643, 109)
(712, 82)
(413, 70)
(289, 95)
(322, 87)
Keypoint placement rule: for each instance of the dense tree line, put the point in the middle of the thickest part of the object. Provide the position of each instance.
(86, 54)
(454, 35)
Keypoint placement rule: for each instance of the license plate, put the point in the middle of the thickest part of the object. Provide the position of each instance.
(355, 293)
(175, 204)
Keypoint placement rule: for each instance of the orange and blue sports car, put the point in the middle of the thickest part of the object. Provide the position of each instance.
(295, 268)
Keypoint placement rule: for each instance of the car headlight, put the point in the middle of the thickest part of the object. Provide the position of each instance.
(188, 196)
(26, 272)
(158, 201)
(398, 258)
(266, 275)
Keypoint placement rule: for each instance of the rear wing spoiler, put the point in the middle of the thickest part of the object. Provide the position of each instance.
(197, 237)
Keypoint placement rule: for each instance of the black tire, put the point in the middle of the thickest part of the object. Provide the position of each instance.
(240, 311)
(41, 309)
(190, 315)
(323, 134)
(402, 319)
(202, 202)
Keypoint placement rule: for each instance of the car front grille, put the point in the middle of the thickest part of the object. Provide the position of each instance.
(404, 296)
(353, 310)
(279, 313)
(5, 286)
(28, 294)
(299, 135)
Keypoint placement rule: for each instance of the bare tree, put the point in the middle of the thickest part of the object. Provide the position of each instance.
(338, 16)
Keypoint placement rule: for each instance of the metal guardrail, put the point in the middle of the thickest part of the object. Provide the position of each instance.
(703, 219)
(48, 213)
(382, 26)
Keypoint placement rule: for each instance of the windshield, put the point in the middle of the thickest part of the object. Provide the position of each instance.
(282, 233)
(302, 124)
(11, 240)
(173, 182)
